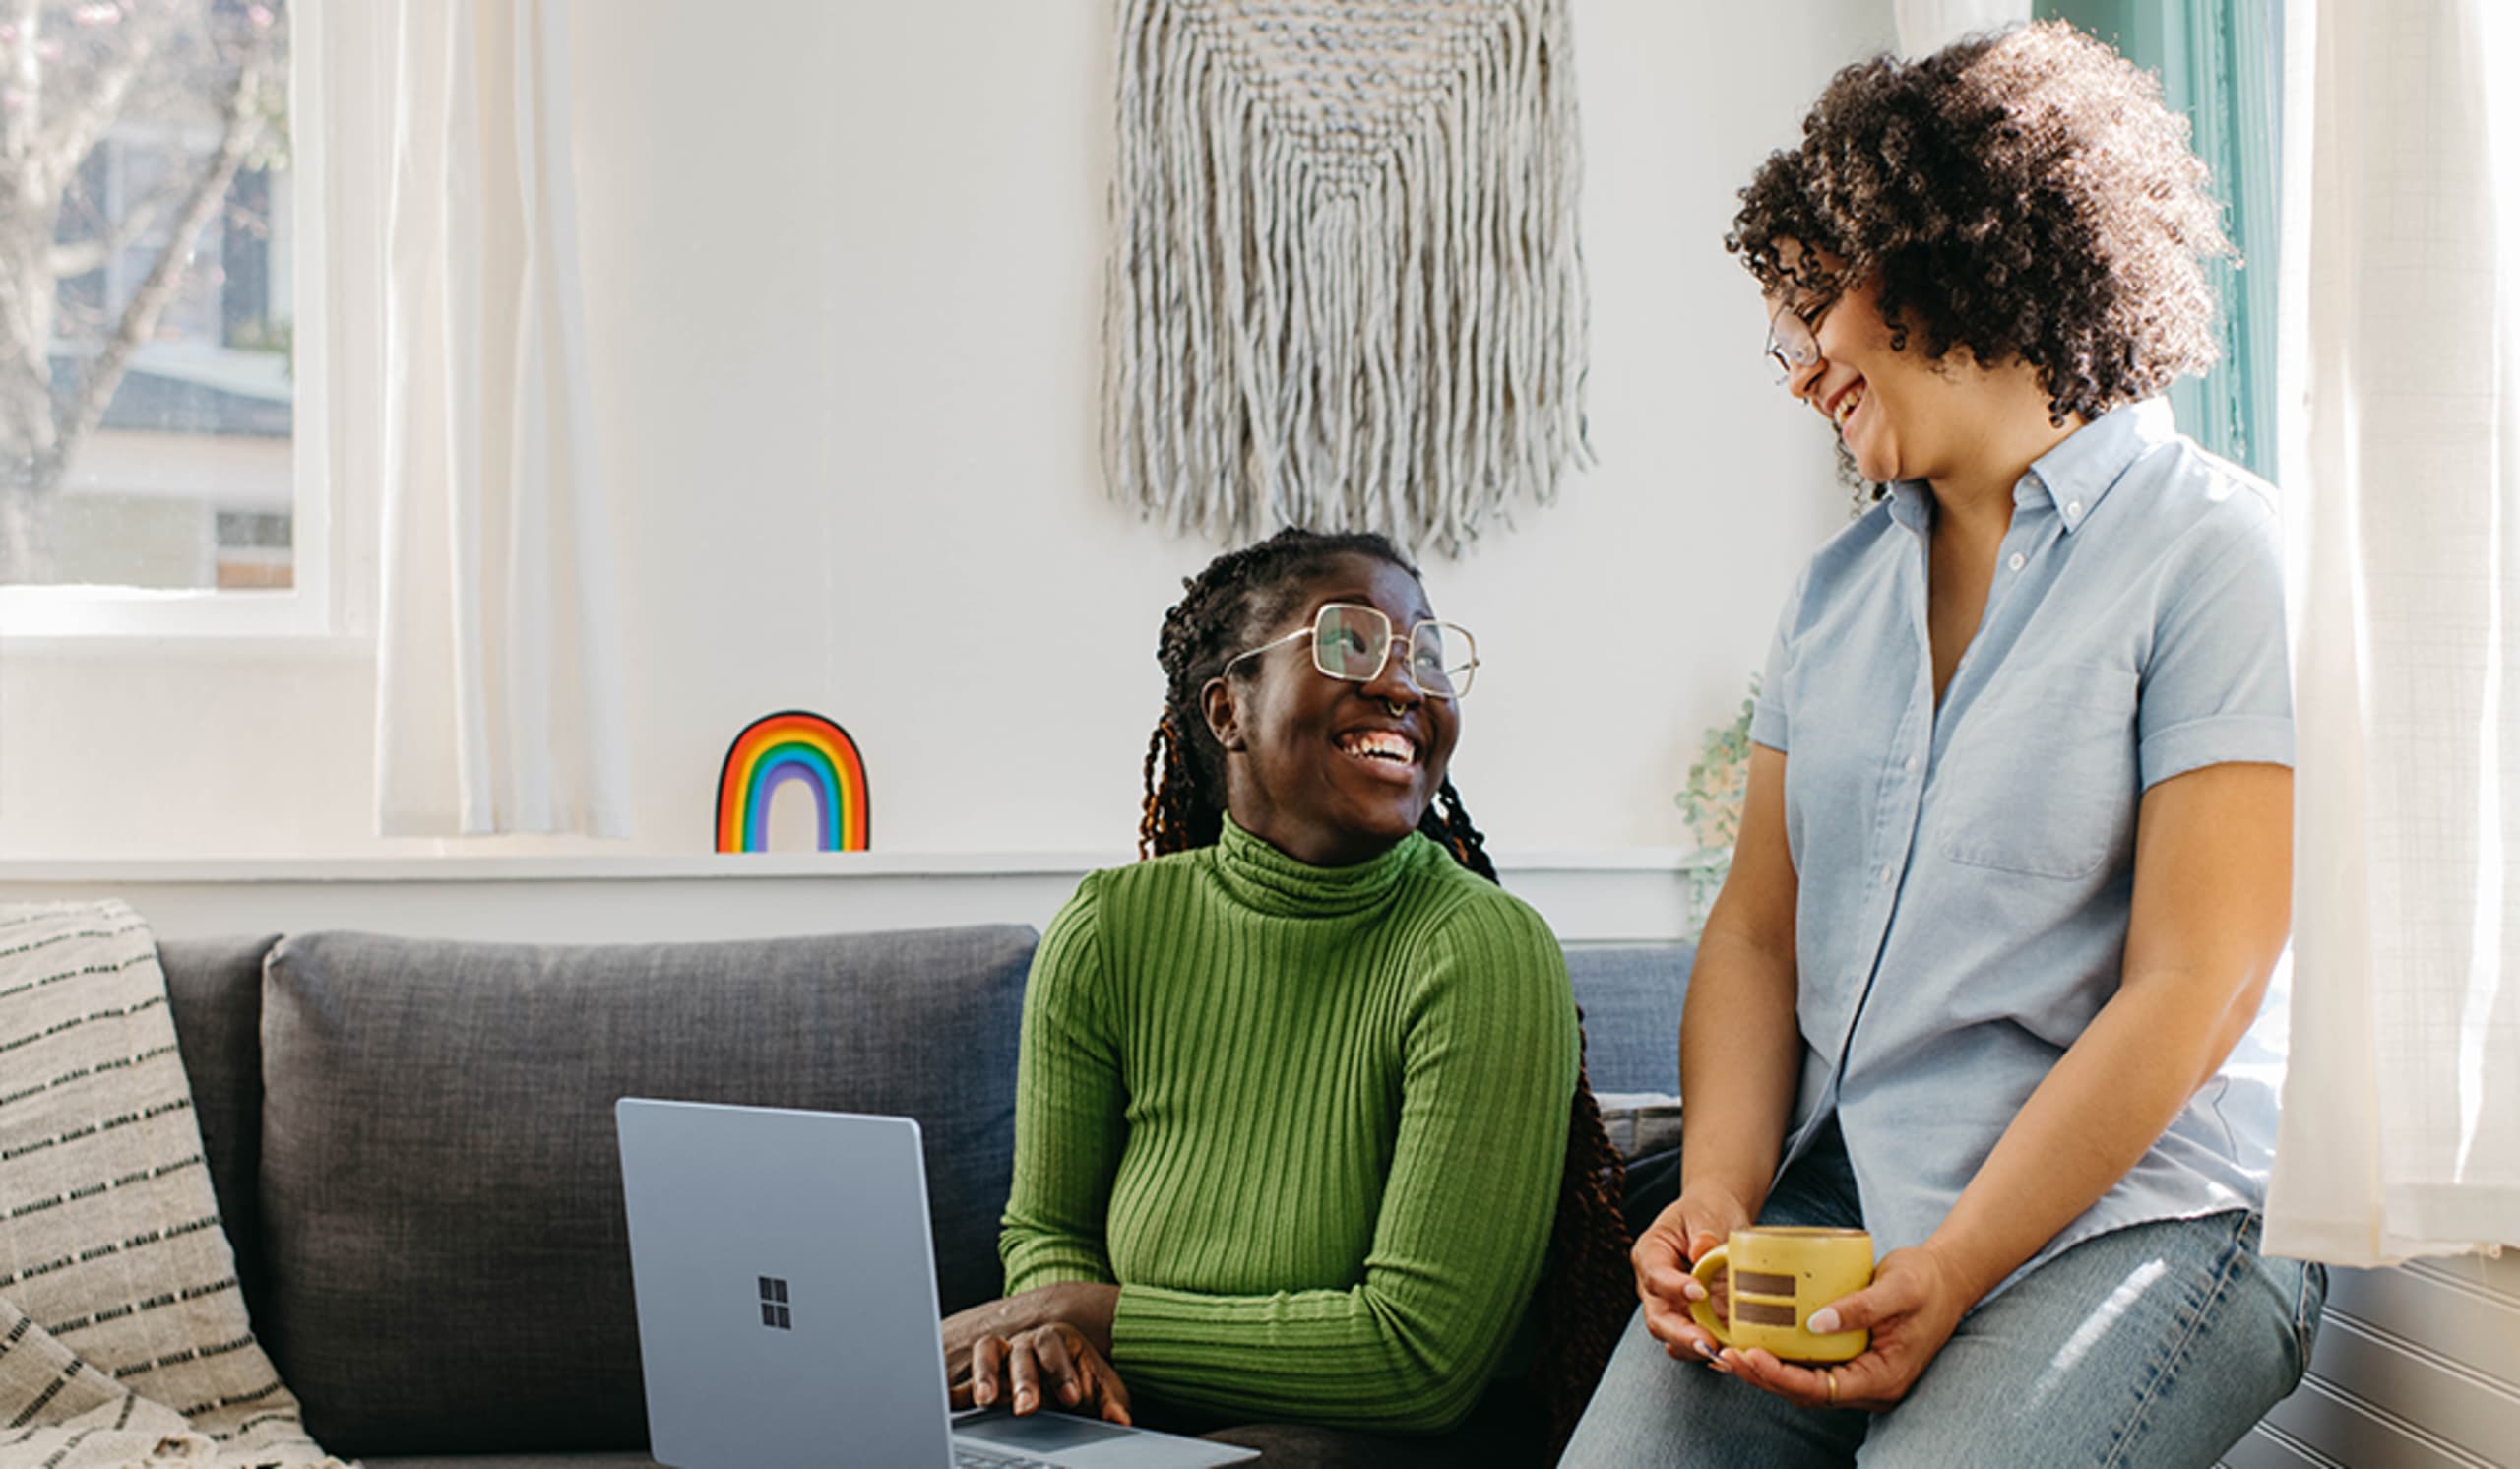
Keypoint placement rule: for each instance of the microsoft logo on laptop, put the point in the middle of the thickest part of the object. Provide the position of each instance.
(773, 1303)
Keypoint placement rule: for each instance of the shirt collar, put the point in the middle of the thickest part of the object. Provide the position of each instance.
(2074, 475)
(2077, 472)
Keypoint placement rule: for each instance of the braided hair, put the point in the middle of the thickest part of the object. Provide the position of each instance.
(1589, 1289)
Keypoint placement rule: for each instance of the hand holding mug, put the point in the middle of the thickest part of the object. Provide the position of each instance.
(1916, 1299)
(1698, 1221)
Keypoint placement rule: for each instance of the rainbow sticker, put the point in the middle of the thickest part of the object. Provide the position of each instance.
(792, 745)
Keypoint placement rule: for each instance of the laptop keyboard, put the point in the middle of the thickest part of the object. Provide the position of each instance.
(966, 1456)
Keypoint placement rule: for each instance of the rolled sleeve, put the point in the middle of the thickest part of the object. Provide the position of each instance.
(2218, 688)
(2264, 739)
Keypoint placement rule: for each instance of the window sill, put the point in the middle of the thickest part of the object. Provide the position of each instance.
(76, 615)
(202, 647)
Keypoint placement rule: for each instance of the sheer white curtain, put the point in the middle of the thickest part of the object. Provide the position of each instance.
(2401, 387)
(1927, 25)
(498, 688)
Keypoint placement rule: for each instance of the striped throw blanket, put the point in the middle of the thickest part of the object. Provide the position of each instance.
(123, 1338)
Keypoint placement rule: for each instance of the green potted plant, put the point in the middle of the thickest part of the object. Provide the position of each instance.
(1711, 803)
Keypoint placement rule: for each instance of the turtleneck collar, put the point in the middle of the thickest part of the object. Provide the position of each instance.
(1260, 877)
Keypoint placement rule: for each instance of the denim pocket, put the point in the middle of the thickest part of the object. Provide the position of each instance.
(2041, 780)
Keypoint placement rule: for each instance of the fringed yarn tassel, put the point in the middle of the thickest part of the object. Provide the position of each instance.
(1345, 288)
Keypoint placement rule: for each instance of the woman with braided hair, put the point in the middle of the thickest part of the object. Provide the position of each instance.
(1304, 1158)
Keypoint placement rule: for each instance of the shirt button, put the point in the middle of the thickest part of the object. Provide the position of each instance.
(2073, 507)
(1888, 873)
(1912, 764)
(2016, 562)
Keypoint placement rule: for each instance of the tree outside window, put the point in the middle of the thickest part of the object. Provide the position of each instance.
(144, 296)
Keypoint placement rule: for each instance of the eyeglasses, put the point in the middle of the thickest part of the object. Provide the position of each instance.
(1794, 341)
(1355, 643)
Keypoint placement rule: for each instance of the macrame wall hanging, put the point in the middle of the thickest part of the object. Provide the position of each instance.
(1345, 288)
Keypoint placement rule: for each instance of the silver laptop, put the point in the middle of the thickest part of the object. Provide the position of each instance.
(787, 1293)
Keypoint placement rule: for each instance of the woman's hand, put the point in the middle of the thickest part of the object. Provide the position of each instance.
(1055, 1360)
(1916, 1299)
(1086, 1305)
(1696, 1222)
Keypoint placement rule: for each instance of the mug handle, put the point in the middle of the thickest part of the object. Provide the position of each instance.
(1708, 1266)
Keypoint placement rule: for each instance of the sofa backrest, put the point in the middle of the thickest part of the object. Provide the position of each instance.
(440, 1191)
(1630, 996)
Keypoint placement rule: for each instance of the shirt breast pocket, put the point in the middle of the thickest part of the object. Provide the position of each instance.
(2041, 780)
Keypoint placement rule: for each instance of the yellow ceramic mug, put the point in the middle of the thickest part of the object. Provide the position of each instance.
(1780, 1274)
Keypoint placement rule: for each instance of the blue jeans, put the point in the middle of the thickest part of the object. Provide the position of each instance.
(2157, 1344)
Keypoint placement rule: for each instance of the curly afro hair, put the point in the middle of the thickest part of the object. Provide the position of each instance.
(2022, 195)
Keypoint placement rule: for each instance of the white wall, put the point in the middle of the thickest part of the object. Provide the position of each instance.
(843, 272)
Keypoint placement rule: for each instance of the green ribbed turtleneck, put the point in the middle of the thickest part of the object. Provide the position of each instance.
(1310, 1120)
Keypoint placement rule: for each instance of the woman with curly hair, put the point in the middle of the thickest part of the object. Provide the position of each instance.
(1990, 976)
(1303, 1153)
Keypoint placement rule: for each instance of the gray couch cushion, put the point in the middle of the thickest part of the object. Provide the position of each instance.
(1630, 996)
(441, 1187)
(214, 992)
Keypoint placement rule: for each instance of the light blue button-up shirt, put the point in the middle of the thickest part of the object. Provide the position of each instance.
(1966, 873)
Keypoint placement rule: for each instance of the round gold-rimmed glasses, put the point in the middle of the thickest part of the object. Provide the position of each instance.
(1355, 643)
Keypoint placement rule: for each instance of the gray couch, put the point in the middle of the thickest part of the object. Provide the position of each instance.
(412, 1143)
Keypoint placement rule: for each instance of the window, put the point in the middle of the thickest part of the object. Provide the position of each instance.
(154, 472)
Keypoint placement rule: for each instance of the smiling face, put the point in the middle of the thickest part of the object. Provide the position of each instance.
(1328, 771)
(1900, 413)
(1903, 415)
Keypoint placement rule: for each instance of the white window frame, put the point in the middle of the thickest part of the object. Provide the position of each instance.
(324, 531)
